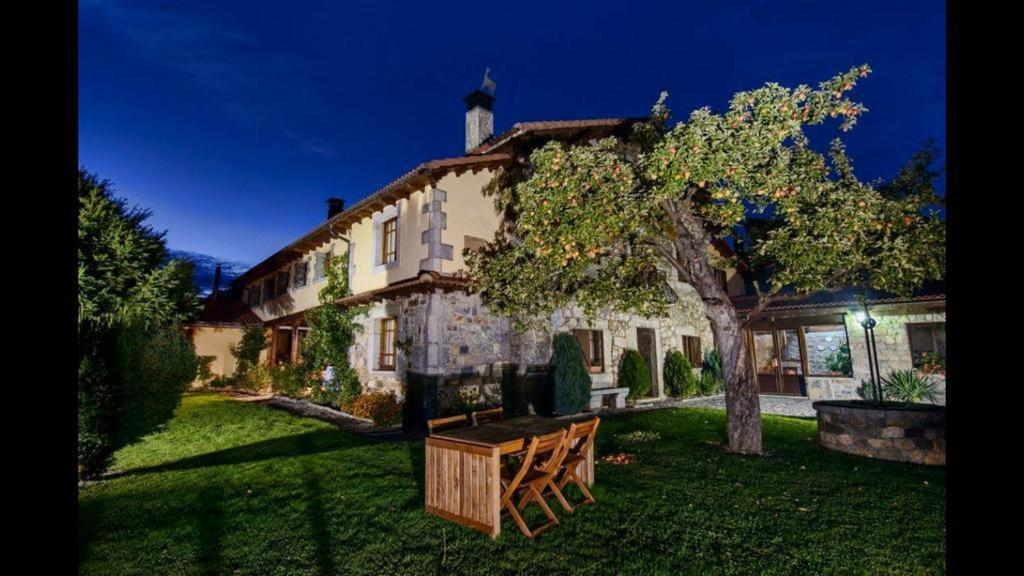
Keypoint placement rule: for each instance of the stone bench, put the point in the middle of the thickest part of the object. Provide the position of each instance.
(618, 400)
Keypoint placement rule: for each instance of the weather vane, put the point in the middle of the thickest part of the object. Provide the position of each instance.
(488, 85)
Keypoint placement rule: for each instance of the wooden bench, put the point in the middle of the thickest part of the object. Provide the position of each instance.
(618, 400)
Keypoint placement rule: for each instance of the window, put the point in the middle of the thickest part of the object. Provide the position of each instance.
(389, 241)
(321, 264)
(927, 344)
(691, 349)
(592, 344)
(283, 345)
(268, 288)
(254, 295)
(473, 244)
(387, 345)
(303, 332)
(301, 269)
(282, 283)
(828, 351)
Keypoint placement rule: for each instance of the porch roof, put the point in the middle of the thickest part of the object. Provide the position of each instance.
(426, 281)
(932, 292)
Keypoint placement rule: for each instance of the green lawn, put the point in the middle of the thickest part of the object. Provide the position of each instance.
(236, 488)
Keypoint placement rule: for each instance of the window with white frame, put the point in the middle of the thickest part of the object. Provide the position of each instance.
(386, 238)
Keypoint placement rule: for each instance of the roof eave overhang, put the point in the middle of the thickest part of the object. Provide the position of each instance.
(335, 227)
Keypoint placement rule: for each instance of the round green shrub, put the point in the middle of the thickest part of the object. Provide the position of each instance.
(709, 383)
(256, 378)
(292, 380)
(634, 374)
(570, 375)
(679, 378)
(154, 368)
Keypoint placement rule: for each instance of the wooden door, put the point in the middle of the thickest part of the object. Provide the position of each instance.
(778, 361)
(766, 362)
(645, 345)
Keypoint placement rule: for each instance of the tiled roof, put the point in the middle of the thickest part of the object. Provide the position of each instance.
(424, 282)
(227, 310)
(847, 298)
(398, 188)
(550, 127)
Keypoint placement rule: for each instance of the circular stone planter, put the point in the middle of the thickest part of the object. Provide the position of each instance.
(901, 432)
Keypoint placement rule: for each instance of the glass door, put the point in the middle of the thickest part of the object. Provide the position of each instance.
(766, 361)
(791, 367)
(778, 361)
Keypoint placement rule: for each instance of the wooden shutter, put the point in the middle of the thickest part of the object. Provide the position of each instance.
(597, 350)
(691, 349)
(318, 266)
(583, 338)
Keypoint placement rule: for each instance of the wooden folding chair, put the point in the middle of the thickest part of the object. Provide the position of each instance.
(529, 479)
(482, 416)
(447, 423)
(580, 442)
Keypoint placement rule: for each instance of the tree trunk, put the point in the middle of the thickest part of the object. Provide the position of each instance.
(742, 405)
(690, 258)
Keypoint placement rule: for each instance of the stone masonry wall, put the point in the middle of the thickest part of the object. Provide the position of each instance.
(917, 436)
(892, 343)
(685, 317)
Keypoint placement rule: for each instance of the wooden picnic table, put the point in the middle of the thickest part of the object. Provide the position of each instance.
(463, 468)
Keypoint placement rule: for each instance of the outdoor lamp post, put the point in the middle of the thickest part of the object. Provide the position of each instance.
(869, 324)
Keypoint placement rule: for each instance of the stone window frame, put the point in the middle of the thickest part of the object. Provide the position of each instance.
(324, 259)
(910, 342)
(388, 213)
(590, 346)
(381, 333)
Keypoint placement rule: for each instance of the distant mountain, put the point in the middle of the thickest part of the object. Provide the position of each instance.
(204, 268)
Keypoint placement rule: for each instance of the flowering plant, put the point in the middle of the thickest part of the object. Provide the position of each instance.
(932, 363)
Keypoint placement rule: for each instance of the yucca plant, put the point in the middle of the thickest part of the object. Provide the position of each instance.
(908, 386)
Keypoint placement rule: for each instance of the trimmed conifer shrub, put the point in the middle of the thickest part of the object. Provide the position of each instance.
(634, 374)
(570, 375)
(678, 375)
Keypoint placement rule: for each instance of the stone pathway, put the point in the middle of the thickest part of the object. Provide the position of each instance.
(778, 405)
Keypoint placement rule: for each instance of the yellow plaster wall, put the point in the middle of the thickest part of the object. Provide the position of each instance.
(410, 251)
(216, 341)
(469, 212)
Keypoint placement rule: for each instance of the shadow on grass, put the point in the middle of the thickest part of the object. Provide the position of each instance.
(417, 456)
(211, 529)
(313, 486)
(305, 444)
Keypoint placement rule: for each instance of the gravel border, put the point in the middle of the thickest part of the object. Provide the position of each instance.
(308, 409)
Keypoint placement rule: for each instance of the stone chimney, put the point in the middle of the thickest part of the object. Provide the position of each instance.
(334, 206)
(216, 282)
(479, 118)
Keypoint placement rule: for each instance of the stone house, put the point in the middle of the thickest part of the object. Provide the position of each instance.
(406, 243)
(797, 345)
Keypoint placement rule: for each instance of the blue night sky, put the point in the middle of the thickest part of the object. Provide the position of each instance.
(234, 121)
